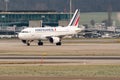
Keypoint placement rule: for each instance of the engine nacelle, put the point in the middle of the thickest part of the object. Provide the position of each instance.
(24, 41)
(54, 39)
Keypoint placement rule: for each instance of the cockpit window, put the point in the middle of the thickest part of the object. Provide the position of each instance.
(25, 32)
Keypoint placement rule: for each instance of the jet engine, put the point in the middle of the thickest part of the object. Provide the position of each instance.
(54, 40)
(24, 41)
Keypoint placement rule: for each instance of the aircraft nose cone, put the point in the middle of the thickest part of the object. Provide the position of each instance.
(19, 36)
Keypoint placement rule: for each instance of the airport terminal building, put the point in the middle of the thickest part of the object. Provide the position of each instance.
(15, 21)
(23, 18)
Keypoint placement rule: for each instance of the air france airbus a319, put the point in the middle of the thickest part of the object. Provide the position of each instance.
(53, 34)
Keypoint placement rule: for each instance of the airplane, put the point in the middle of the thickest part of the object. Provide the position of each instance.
(53, 34)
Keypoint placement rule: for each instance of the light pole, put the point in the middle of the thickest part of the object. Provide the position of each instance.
(70, 8)
(6, 5)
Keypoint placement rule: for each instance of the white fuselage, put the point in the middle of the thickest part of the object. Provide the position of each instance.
(43, 33)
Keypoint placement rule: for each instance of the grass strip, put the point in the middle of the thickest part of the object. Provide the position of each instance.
(62, 70)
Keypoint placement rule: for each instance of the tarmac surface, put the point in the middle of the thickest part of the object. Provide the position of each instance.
(78, 48)
(77, 52)
(56, 60)
(15, 48)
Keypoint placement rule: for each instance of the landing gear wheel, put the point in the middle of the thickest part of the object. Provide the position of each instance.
(59, 44)
(28, 44)
(40, 43)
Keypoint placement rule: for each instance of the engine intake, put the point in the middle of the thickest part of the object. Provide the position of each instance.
(54, 39)
(24, 41)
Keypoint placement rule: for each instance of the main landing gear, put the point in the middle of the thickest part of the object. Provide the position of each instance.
(59, 44)
(40, 43)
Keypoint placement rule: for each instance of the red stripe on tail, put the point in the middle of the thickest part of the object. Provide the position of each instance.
(76, 23)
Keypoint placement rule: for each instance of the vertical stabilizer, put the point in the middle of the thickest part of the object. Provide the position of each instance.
(75, 19)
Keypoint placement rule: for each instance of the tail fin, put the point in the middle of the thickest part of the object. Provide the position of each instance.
(75, 19)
